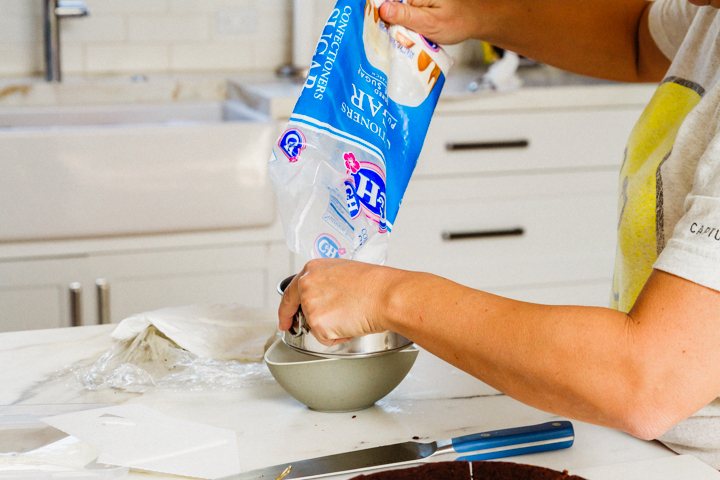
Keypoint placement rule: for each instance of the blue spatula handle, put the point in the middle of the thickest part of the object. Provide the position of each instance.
(515, 441)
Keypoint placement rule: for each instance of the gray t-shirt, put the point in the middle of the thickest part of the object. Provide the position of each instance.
(669, 206)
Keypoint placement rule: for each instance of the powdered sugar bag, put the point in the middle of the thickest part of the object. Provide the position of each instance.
(342, 164)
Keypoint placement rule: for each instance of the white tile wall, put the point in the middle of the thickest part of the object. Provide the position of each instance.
(18, 60)
(131, 58)
(130, 6)
(151, 36)
(169, 29)
(20, 7)
(93, 29)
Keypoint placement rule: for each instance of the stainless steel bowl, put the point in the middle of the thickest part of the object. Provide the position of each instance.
(299, 338)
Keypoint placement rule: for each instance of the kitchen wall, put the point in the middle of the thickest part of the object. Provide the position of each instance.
(151, 36)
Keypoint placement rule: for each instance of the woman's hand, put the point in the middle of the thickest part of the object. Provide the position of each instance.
(341, 299)
(443, 21)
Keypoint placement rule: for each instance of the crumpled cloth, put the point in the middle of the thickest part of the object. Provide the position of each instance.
(197, 347)
(219, 331)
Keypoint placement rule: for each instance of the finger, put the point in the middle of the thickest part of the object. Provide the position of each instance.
(289, 304)
(412, 17)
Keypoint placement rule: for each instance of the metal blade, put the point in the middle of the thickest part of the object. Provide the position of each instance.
(344, 462)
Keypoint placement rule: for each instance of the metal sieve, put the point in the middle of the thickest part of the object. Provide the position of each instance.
(299, 338)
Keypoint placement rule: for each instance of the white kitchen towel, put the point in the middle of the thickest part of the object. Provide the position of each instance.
(218, 331)
(137, 436)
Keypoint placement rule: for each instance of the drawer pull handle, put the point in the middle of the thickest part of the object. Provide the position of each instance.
(493, 145)
(103, 301)
(75, 290)
(509, 232)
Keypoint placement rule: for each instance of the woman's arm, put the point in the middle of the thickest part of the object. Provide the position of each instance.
(608, 39)
(641, 373)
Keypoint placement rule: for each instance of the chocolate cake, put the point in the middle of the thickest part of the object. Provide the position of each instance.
(474, 471)
(516, 471)
(429, 471)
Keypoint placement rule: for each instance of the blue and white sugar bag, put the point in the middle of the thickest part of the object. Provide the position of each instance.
(341, 166)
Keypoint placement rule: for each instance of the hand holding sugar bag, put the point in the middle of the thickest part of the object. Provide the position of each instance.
(342, 164)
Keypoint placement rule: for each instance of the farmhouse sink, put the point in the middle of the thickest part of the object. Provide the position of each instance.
(74, 171)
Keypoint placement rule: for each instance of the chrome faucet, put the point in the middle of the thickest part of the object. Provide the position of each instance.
(55, 10)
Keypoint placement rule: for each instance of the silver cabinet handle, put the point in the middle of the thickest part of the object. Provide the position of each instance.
(103, 301)
(490, 145)
(76, 315)
(508, 232)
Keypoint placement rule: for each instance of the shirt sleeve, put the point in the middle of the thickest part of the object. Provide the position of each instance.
(669, 22)
(693, 252)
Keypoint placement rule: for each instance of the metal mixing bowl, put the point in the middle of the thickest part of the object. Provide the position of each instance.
(300, 339)
(338, 384)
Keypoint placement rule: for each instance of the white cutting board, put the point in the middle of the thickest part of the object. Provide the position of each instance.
(680, 467)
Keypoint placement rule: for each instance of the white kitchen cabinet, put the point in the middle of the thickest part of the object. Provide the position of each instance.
(522, 141)
(31, 308)
(499, 232)
(143, 281)
(518, 203)
(35, 293)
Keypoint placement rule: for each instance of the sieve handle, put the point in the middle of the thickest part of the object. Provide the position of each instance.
(299, 326)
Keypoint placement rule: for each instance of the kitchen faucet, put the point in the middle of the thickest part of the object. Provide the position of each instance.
(54, 10)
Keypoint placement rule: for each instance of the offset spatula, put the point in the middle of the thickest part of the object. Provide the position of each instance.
(482, 446)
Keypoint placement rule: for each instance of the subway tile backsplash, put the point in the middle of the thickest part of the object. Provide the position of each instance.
(151, 36)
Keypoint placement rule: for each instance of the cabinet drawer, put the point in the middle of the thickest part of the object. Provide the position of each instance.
(35, 294)
(29, 308)
(145, 281)
(477, 143)
(505, 231)
(139, 293)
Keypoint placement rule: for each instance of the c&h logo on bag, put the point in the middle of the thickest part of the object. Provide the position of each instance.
(370, 189)
(366, 186)
(353, 202)
(292, 143)
(326, 246)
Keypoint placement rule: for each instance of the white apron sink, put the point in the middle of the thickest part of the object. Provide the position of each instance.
(95, 171)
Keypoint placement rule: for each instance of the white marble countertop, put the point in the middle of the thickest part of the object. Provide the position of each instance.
(436, 401)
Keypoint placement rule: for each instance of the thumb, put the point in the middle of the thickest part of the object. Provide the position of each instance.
(414, 18)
